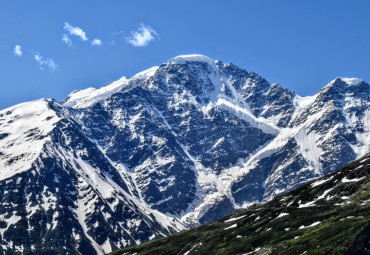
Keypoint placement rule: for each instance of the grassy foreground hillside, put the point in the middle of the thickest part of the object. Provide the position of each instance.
(328, 216)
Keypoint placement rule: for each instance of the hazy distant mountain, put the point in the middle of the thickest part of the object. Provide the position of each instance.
(173, 147)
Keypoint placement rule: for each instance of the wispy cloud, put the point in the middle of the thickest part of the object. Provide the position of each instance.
(18, 50)
(117, 36)
(142, 37)
(66, 40)
(45, 62)
(75, 31)
(96, 42)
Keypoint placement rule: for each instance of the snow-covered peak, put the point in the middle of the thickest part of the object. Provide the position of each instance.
(351, 81)
(182, 59)
(23, 132)
(90, 96)
(343, 84)
(87, 97)
(145, 74)
(348, 81)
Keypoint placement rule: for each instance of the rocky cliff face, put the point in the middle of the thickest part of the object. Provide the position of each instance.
(175, 146)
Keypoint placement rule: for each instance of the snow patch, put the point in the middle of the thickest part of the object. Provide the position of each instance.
(345, 179)
(106, 246)
(26, 127)
(307, 204)
(351, 81)
(182, 59)
(312, 225)
(255, 250)
(282, 215)
(232, 226)
(248, 116)
(234, 219)
(319, 182)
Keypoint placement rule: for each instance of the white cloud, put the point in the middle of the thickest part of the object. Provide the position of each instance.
(75, 31)
(96, 42)
(142, 36)
(48, 62)
(66, 40)
(18, 50)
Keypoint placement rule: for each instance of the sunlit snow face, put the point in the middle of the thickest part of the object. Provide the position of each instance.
(24, 129)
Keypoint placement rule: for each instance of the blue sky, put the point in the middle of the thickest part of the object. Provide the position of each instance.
(300, 44)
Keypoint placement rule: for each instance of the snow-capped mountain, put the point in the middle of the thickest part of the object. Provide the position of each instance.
(173, 147)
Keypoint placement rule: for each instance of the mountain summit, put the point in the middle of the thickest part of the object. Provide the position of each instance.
(173, 147)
